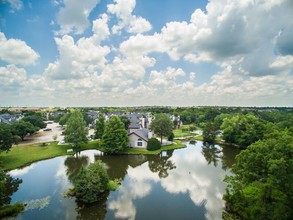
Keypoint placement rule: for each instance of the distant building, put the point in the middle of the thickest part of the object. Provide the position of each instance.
(10, 118)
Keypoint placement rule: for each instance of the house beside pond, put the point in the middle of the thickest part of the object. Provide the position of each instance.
(138, 131)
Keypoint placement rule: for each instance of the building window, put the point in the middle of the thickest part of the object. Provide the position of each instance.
(139, 143)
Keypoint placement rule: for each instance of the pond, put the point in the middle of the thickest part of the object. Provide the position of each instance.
(179, 184)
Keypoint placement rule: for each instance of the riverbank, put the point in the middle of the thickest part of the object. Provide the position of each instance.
(23, 155)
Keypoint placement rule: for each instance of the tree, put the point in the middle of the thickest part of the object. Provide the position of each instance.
(22, 128)
(6, 137)
(91, 182)
(64, 118)
(100, 126)
(36, 120)
(76, 130)
(8, 186)
(88, 120)
(261, 187)
(125, 120)
(115, 137)
(242, 130)
(209, 132)
(162, 125)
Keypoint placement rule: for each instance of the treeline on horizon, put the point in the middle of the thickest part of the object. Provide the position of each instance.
(190, 115)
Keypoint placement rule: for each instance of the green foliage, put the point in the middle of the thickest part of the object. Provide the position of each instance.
(171, 136)
(262, 185)
(64, 118)
(88, 120)
(8, 186)
(162, 125)
(91, 182)
(100, 126)
(11, 210)
(114, 184)
(243, 130)
(36, 120)
(22, 128)
(76, 130)
(115, 137)
(192, 127)
(153, 144)
(6, 137)
(209, 132)
(125, 120)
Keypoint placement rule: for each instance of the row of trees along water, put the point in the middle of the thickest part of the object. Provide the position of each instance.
(261, 184)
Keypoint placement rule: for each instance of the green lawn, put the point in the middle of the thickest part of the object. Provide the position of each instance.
(145, 151)
(183, 131)
(23, 155)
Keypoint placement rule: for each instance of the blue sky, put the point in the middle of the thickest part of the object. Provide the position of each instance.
(136, 52)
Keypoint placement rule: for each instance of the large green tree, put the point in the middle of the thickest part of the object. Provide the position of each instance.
(125, 120)
(64, 118)
(115, 137)
(36, 120)
(6, 137)
(162, 125)
(91, 182)
(100, 126)
(209, 132)
(242, 130)
(23, 128)
(76, 130)
(261, 187)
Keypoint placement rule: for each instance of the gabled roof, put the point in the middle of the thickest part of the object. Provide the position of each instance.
(142, 133)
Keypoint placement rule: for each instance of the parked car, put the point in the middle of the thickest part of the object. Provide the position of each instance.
(47, 129)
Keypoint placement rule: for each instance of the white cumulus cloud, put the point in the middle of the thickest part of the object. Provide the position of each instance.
(73, 15)
(123, 10)
(15, 51)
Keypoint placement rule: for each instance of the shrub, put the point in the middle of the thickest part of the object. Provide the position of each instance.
(171, 137)
(153, 144)
(91, 182)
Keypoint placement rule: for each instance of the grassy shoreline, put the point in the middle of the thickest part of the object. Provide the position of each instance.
(24, 155)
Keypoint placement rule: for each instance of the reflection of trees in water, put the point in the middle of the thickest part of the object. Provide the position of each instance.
(211, 153)
(93, 211)
(228, 157)
(161, 164)
(73, 164)
(116, 165)
(8, 186)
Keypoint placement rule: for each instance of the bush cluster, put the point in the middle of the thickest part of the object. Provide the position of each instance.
(153, 144)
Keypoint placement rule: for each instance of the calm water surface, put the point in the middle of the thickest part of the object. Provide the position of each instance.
(180, 184)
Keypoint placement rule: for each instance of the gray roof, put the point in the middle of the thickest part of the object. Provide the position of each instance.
(134, 121)
(2, 119)
(93, 114)
(9, 118)
(143, 133)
